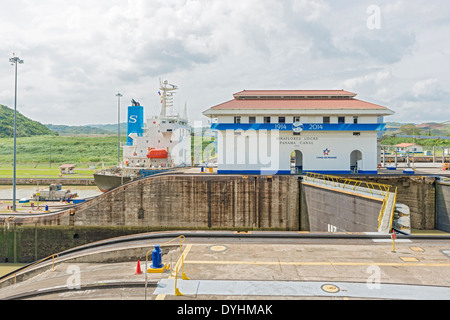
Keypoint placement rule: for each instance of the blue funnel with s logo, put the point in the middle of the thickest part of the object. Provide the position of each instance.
(135, 122)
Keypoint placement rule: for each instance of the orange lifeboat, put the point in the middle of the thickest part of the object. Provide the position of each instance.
(157, 154)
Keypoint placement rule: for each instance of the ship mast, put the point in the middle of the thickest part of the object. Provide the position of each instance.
(167, 91)
(185, 111)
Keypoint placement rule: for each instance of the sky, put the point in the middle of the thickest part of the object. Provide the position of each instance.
(79, 54)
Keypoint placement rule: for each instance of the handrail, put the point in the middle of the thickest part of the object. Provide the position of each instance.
(393, 209)
(32, 265)
(383, 209)
(384, 188)
(182, 239)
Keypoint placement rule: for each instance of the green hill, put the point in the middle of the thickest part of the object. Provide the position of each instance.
(64, 130)
(25, 127)
(111, 128)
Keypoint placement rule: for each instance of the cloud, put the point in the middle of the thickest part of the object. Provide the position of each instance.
(428, 89)
(78, 54)
(384, 47)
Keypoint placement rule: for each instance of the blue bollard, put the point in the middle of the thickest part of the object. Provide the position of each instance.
(46, 208)
(156, 258)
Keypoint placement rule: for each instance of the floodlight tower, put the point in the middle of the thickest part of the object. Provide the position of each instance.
(14, 61)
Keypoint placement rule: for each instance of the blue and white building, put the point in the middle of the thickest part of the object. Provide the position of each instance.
(297, 131)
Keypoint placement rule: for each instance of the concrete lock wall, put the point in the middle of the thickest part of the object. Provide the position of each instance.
(180, 202)
(161, 203)
(225, 201)
(417, 192)
(189, 201)
(333, 211)
(25, 244)
(443, 206)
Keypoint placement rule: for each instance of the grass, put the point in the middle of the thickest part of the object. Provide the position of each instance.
(32, 173)
(41, 156)
(43, 151)
(426, 143)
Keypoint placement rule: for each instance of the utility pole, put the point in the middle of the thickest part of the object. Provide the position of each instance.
(14, 60)
(118, 95)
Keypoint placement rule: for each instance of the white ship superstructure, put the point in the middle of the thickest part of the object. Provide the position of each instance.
(165, 139)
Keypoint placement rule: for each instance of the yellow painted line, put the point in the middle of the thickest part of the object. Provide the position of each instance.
(344, 191)
(409, 259)
(176, 267)
(320, 263)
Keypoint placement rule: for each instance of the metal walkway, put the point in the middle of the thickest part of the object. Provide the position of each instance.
(376, 191)
(303, 289)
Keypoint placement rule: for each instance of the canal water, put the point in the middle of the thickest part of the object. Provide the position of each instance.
(6, 192)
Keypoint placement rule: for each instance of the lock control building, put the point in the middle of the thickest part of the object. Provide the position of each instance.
(297, 131)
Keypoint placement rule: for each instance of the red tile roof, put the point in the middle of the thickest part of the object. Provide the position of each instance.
(302, 104)
(299, 93)
(404, 145)
(67, 166)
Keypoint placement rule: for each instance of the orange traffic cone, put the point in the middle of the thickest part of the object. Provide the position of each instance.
(138, 268)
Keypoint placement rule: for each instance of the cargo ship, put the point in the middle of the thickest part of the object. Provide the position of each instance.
(160, 144)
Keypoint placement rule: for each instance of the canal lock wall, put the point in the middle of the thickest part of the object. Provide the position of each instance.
(207, 202)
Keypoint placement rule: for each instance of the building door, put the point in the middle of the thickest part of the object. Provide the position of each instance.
(356, 161)
(296, 162)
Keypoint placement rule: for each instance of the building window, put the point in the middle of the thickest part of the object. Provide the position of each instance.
(266, 119)
(251, 119)
(237, 119)
(281, 119)
(355, 120)
(341, 119)
(326, 119)
(296, 119)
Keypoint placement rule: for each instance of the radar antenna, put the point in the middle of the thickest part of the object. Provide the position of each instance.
(167, 92)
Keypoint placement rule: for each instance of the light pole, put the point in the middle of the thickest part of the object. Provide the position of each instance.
(118, 95)
(15, 60)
